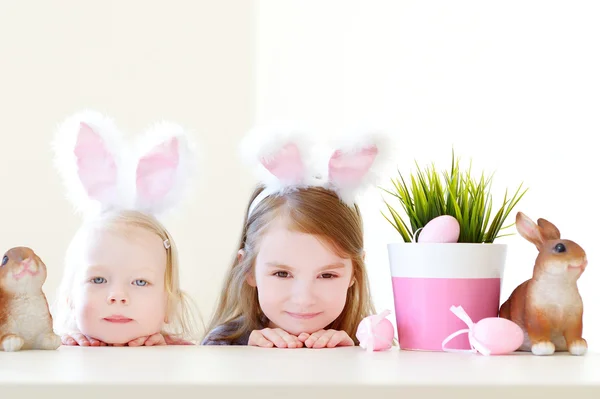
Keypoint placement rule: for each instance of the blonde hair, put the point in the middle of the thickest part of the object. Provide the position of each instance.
(182, 320)
(312, 210)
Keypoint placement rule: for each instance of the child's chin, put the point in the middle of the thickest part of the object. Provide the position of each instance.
(117, 339)
(299, 329)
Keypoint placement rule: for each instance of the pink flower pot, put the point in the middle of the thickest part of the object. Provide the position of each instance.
(427, 279)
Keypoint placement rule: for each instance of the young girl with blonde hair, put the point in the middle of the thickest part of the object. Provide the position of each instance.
(299, 277)
(120, 285)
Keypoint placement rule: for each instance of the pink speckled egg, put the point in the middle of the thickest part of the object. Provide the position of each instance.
(376, 331)
(499, 335)
(442, 229)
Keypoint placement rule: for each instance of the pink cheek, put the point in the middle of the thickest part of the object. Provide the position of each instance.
(270, 296)
(89, 309)
(335, 305)
(270, 289)
(335, 293)
(90, 301)
(86, 317)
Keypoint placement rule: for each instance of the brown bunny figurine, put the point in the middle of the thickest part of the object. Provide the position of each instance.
(548, 306)
(25, 320)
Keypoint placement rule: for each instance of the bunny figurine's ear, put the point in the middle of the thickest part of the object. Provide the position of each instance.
(356, 163)
(529, 230)
(280, 154)
(548, 230)
(88, 157)
(165, 165)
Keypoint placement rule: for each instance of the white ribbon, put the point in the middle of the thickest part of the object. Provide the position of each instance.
(476, 346)
(371, 323)
(414, 239)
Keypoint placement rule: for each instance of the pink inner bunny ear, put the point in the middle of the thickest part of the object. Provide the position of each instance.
(156, 171)
(350, 168)
(97, 169)
(529, 230)
(286, 164)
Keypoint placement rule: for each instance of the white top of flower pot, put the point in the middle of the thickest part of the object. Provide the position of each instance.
(449, 260)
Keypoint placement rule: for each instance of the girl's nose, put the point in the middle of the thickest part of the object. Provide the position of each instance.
(303, 294)
(118, 298)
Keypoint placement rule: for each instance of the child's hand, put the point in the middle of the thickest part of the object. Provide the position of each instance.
(269, 337)
(75, 339)
(152, 340)
(158, 339)
(329, 339)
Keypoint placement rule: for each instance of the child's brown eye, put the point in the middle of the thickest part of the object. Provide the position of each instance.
(4, 260)
(282, 274)
(327, 275)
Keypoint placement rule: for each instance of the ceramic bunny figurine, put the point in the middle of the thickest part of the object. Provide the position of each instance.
(25, 321)
(548, 306)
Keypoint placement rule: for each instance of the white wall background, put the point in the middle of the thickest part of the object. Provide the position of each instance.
(511, 85)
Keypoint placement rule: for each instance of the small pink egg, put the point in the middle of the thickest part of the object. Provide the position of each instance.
(442, 229)
(501, 336)
(382, 333)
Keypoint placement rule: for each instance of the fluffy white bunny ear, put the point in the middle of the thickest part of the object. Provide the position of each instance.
(358, 162)
(279, 155)
(89, 158)
(166, 162)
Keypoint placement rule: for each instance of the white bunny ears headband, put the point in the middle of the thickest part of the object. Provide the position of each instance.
(102, 173)
(281, 156)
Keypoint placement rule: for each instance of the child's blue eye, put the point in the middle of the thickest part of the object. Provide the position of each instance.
(282, 274)
(140, 283)
(98, 280)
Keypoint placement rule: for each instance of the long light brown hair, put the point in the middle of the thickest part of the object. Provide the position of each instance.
(312, 210)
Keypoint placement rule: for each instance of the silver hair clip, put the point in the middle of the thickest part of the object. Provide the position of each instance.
(167, 244)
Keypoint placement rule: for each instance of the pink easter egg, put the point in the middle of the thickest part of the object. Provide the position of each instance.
(442, 229)
(381, 333)
(501, 336)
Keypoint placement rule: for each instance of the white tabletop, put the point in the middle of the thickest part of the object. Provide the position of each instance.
(222, 371)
